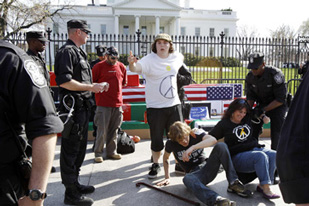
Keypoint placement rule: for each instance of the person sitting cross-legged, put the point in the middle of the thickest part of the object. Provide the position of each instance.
(187, 146)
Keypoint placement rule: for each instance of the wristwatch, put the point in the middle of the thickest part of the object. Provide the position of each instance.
(37, 195)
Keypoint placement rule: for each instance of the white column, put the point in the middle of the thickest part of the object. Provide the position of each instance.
(116, 25)
(177, 25)
(157, 25)
(137, 22)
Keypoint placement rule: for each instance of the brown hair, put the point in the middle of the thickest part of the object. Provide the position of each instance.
(178, 131)
(154, 48)
(237, 104)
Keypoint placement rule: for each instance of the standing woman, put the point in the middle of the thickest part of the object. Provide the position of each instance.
(247, 155)
(160, 69)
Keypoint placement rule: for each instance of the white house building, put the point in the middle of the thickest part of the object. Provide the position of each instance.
(151, 17)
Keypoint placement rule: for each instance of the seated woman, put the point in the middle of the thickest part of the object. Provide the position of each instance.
(247, 155)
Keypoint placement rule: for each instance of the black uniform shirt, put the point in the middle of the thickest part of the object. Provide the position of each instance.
(71, 63)
(41, 63)
(25, 92)
(270, 86)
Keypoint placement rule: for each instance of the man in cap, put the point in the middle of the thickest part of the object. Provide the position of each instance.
(101, 50)
(108, 114)
(160, 70)
(36, 44)
(73, 76)
(265, 86)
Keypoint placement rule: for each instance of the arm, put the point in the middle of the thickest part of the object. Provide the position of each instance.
(272, 105)
(132, 64)
(184, 76)
(166, 165)
(74, 85)
(43, 150)
(208, 141)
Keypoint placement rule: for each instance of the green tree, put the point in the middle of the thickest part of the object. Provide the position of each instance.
(16, 15)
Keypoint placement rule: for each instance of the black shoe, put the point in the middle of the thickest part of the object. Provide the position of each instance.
(155, 168)
(179, 170)
(53, 169)
(73, 197)
(85, 189)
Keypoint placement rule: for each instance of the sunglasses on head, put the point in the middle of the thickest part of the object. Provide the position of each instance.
(242, 101)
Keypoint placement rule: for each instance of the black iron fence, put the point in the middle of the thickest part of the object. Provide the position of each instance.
(211, 59)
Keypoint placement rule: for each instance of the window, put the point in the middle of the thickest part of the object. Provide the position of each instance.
(126, 30)
(103, 28)
(161, 29)
(211, 32)
(197, 31)
(183, 31)
(144, 30)
(226, 32)
(55, 28)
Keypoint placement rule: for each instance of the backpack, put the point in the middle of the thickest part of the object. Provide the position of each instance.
(125, 144)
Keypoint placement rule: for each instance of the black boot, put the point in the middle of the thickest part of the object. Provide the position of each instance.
(85, 189)
(74, 197)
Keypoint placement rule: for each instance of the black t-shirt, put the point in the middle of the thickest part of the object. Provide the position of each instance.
(197, 156)
(238, 137)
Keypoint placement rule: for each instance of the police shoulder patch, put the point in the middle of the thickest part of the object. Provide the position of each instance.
(35, 74)
(278, 78)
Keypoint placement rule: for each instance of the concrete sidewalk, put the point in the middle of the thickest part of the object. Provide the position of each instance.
(115, 182)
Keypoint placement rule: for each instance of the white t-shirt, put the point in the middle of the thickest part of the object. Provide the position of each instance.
(161, 79)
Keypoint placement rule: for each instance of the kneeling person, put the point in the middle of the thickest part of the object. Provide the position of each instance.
(187, 146)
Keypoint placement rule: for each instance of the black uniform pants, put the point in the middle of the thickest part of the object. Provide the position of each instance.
(73, 148)
(276, 116)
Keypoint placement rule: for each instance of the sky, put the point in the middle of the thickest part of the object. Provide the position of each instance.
(263, 15)
(259, 15)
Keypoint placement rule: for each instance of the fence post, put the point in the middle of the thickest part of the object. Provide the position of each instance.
(221, 59)
(49, 47)
(138, 42)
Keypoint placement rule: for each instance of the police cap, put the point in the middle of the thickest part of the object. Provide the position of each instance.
(101, 50)
(255, 60)
(112, 51)
(36, 35)
(78, 24)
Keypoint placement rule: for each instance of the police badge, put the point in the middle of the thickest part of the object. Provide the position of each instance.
(35, 74)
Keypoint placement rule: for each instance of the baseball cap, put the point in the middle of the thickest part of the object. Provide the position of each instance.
(101, 50)
(163, 36)
(255, 60)
(36, 35)
(78, 24)
(112, 51)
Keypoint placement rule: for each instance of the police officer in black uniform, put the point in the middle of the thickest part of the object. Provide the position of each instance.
(101, 50)
(73, 76)
(26, 108)
(265, 86)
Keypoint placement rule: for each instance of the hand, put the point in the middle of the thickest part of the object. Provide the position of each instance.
(100, 87)
(131, 58)
(186, 155)
(265, 119)
(258, 112)
(164, 182)
(26, 201)
(105, 86)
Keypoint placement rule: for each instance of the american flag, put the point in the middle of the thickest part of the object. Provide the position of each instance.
(237, 89)
(220, 92)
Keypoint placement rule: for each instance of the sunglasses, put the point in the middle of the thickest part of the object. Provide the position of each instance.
(84, 30)
(242, 101)
(113, 58)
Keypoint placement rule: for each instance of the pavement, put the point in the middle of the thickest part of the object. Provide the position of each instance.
(115, 182)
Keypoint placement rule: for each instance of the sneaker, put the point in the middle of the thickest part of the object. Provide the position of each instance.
(98, 159)
(238, 188)
(114, 156)
(155, 169)
(222, 201)
(179, 170)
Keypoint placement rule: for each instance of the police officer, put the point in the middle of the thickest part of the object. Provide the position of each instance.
(265, 86)
(101, 50)
(26, 107)
(303, 68)
(73, 76)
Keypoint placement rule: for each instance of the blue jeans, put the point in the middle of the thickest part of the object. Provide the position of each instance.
(259, 160)
(197, 180)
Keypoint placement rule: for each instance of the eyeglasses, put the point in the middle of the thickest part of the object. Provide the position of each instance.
(113, 58)
(84, 30)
